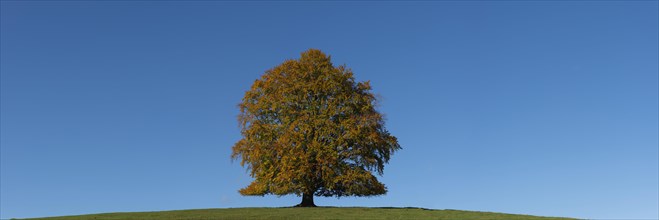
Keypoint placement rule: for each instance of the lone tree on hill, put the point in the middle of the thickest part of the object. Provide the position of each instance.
(309, 129)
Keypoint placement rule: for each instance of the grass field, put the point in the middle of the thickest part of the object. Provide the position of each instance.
(301, 213)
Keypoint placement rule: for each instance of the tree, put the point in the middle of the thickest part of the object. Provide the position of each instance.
(309, 129)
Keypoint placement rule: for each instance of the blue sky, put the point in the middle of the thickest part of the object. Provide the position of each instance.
(544, 107)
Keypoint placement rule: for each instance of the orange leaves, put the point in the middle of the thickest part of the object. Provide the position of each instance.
(307, 125)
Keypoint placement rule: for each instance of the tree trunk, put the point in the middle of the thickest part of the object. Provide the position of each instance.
(307, 200)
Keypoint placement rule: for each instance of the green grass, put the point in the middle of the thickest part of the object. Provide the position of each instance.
(301, 213)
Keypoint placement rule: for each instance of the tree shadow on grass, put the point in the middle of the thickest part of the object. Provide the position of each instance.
(362, 207)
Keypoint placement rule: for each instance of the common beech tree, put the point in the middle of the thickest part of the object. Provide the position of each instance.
(310, 129)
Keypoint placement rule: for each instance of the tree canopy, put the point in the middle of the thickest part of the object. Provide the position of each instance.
(310, 129)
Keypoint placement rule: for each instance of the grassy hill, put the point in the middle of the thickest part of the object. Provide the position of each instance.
(301, 213)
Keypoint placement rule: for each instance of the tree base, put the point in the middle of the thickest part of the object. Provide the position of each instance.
(307, 201)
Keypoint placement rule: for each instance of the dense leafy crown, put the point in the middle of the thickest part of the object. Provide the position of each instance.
(309, 128)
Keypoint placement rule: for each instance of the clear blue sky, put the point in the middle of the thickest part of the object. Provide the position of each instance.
(543, 107)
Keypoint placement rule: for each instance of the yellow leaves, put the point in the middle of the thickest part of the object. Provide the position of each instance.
(308, 125)
(255, 188)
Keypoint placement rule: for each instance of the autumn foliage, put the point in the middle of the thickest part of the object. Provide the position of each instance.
(309, 129)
